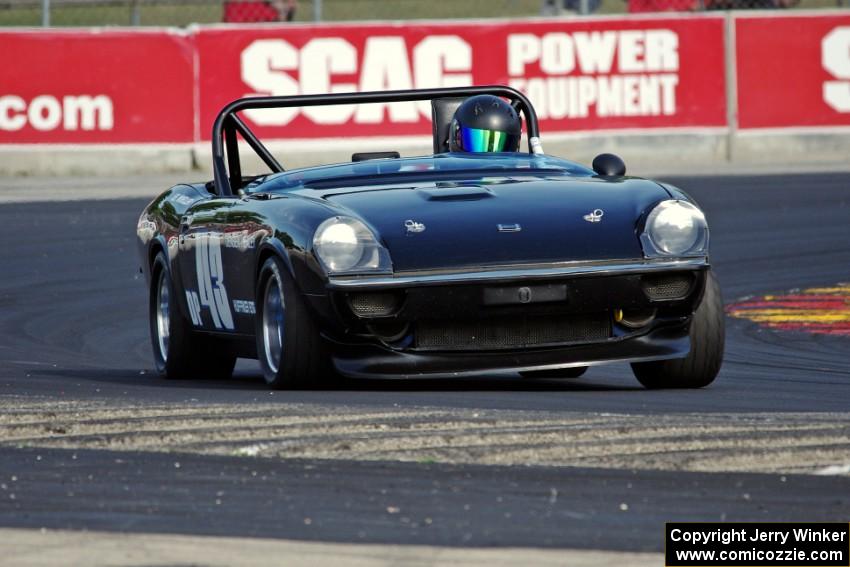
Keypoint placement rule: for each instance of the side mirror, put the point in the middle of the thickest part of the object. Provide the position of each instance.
(609, 165)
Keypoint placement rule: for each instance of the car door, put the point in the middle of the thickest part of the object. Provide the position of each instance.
(218, 244)
(243, 230)
(202, 264)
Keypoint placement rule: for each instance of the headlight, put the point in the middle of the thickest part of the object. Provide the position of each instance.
(346, 245)
(675, 228)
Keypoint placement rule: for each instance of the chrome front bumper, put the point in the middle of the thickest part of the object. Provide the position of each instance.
(516, 273)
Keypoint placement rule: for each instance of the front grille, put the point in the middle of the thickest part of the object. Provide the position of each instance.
(667, 287)
(512, 333)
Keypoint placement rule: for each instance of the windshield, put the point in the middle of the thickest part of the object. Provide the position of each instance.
(440, 167)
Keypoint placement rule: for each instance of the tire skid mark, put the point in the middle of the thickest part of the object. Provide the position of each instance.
(786, 442)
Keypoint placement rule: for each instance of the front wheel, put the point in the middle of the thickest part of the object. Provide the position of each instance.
(700, 367)
(288, 342)
(180, 351)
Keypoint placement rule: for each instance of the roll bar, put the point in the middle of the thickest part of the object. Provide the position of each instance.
(227, 171)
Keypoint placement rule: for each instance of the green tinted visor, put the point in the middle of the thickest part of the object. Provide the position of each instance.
(475, 140)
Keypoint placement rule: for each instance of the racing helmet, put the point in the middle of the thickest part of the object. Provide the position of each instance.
(485, 123)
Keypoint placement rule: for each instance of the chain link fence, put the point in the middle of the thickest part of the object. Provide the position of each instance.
(185, 12)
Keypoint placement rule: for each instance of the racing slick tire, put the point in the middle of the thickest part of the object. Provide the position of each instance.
(180, 351)
(700, 367)
(289, 345)
(574, 372)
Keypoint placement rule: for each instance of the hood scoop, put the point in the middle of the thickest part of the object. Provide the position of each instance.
(458, 193)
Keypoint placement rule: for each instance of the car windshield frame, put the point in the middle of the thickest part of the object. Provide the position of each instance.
(420, 169)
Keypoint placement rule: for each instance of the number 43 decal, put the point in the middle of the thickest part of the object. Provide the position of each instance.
(213, 294)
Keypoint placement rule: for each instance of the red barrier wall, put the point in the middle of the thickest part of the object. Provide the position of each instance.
(793, 70)
(145, 86)
(580, 75)
(96, 86)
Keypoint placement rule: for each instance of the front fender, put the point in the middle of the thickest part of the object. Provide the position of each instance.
(273, 246)
(158, 242)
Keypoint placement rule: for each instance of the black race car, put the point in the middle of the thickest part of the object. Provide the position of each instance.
(446, 264)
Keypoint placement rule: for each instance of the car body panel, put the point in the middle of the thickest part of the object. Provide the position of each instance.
(567, 227)
(542, 221)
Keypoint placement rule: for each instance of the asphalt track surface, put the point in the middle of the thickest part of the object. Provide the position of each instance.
(73, 340)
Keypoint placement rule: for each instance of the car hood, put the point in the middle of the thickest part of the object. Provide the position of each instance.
(456, 225)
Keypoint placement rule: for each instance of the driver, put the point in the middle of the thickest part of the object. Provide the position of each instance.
(485, 123)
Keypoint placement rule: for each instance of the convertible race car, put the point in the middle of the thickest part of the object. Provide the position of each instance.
(460, 262)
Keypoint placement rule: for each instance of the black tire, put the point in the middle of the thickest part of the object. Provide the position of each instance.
(700, 367)
(179, 351)
(289, 345)
(574, 372)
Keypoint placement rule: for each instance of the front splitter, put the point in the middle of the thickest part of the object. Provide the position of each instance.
(375, 361)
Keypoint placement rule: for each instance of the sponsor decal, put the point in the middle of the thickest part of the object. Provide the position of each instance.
(510, 227)
(275, 66)
(835, 56)
(815, 60)
(413, 227)
(145, 229)
(97, 86)
(244, 306)
(606, 73)
(654, 72)
(594, 216)
(820, 310)
(184, 200)
(648, 73)
(46, 112)
(241, 240)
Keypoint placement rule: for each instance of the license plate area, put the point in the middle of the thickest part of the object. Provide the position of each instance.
(524, 294)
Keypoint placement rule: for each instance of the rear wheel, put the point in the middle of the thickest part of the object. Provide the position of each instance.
(180, 351)
(700, 367)
(288, 342)
(574, 372)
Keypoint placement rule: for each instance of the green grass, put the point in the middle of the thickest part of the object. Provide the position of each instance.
(154, 15)
(419, 9)
(183, 13)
